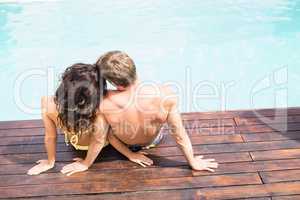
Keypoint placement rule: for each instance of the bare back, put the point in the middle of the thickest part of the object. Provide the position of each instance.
(136, 115)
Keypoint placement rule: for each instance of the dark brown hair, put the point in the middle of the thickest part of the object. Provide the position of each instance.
(118, 68)
(78, 97)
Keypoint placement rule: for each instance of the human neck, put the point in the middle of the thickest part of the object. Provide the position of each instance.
(129, 87)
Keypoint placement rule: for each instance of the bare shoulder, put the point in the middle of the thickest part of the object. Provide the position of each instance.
(168, 96)
(48, 106)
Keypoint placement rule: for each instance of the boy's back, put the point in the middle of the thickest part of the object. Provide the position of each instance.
(137, 113)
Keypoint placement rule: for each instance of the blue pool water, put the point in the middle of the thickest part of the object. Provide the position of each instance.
(218, 55)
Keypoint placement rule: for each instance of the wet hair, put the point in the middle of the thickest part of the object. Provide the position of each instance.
(78, 97)
(118, 68)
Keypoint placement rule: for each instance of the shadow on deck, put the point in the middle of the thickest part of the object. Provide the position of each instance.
(258, 152)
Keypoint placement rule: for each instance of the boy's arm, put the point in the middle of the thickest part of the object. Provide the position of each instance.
(178, 132)
(49, 140)
(182, 139)
(138, 158)
(97, 142)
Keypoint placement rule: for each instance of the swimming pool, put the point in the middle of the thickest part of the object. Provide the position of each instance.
(218, 55)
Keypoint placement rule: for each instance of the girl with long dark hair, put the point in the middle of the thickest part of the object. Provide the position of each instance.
(75, 110)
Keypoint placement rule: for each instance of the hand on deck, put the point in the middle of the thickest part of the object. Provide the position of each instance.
(74, 167)
(199, 163)
(140, 159)
(42, 166)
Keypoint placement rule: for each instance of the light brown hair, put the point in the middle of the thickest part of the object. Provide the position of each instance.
(117, 67)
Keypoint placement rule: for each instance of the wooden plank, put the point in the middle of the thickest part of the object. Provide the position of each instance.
(192, 124)
(231, 147)
(167, 140)
(112, 155)
(290, 197)
(193, 132)
(22, 132)
(206, 117)
(242, 113)
(105, 171)
(269, 112)
(106, 176)
(21, 166)
(129, 184)
(275, 154)
(21, 124)
(185, 116)
(280, 176)
(34, 148)
(271, 136)
(170, 151)
(222, 130)
(242, 121)
(266, 128)
(97, 197)
(102, 164)
(256, 198)
(204, 139)
(37, 139)
(216, 193)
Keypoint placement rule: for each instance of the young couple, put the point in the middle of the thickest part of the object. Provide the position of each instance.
(91, 116)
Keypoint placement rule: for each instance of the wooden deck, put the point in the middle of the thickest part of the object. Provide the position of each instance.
(256, 162)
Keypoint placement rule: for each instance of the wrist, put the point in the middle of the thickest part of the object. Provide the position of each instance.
(192, 161)
(129, 154)
(86, 163)
(51, 162)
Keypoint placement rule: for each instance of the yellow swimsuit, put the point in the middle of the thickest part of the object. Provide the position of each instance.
(74, 141)
(73, 138)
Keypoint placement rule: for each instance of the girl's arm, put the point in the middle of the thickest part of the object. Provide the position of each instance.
(97, 142)
(50, 141)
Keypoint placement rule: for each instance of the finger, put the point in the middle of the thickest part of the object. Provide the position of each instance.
(72, 172)
(208, 169)
(213, 165)
(67, 169)
(200, 157)
(33, 172)
(30, 172)
(64, 171)
(210, 160)
(146, 163)
(149, 161)
(146, 159)
(39, 161)
(140, 163)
